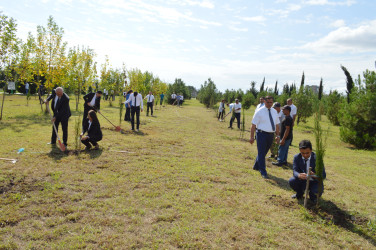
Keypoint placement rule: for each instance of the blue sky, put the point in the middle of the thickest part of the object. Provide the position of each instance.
(233, 42)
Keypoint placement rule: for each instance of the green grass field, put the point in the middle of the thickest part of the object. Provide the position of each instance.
(184, 181)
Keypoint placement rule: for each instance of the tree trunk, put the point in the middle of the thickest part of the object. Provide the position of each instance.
(2, 105)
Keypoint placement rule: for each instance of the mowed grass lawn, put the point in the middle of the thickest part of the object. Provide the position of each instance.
(184, 181)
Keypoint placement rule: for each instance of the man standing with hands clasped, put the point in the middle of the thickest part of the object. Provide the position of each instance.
(265, 123)
(137, 105)
(149, 104)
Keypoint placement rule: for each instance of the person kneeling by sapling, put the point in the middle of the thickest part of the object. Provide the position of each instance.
(302, 162)
(94, 133)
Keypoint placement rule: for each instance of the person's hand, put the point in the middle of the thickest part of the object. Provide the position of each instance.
(302, 176)
(252, 140)
(142, 110)
(53, 119)
(282, 142)
(45, 101)
(81, 135)
(84, 138)
(99, 112)
(89, 104)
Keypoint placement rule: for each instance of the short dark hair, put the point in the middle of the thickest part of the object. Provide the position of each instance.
(269, 97)
(99, 92)
(305, 144)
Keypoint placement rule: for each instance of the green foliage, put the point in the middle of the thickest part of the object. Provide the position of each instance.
(178, 87)
(320, 138)
(282, 99)
(321, 88)
(349, 83)
(208, 94)
(77, 132)
(358, 118)
(333, 105)
(253, 89)
(121, 107)
(304, 100)
(248, 100)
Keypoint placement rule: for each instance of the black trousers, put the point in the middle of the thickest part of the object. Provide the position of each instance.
(88, 141)
(237, 116)
(64, 126)
(220, 115)
(161, 102)
(127, 114)
(149, 105)
(135, 111)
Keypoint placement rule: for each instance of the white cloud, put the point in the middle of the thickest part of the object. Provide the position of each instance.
(254, 19)
(285, 12)
(338, 23)
(346, 39)
(332, 3)
(238, 29)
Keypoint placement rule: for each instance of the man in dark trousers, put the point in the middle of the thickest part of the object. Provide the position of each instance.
(61, 110)
(302, 161)
(150, 101)
(137, 105)
(265, 123)
(92, 101)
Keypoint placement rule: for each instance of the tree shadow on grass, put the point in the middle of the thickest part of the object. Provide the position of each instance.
(330, 213)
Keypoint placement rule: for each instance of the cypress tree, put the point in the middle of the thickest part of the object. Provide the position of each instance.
(320, 90)
(349, 83)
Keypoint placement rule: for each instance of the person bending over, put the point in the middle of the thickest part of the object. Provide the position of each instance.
(94, 133)
(302, 161)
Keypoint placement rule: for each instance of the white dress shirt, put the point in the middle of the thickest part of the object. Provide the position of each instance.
(262, 121)
(173, 96)
(308, 164)
(136, 101)
(231, 106)
(294, 110)
(92, 102)
(150, 98)
(238, 106)
(56, 98)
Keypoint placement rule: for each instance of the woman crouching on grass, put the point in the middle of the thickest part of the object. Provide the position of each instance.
(94, 133)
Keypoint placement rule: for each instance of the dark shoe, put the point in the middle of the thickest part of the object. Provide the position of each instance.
(277, 163)
(230, 127)
(87, 148)
(265, 176)
(96, 147)
(296, 196)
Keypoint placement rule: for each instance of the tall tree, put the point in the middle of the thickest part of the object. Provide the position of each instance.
(349, 83)
(9, 47)
(321, 88)
(276, 88)
(262, 85)
(253, 89)
(302, 81)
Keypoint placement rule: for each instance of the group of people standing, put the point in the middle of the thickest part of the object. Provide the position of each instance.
(272, 127)
(177, 99)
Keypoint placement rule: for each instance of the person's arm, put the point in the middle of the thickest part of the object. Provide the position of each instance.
(253, 129)
(277, 133)
(141, 103)
(287, 131)
(86, 98)
(53, 94)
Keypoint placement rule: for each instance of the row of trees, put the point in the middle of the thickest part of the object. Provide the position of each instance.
(45, 59)
(355, 112)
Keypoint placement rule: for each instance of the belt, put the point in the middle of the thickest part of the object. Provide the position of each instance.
(261, 131)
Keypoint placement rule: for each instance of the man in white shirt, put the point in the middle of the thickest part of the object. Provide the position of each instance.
(137, 104)
(236, 109)
(261, 104)
(173, 98)
(267, 122)
(181, 99)
(274, 147)
(150, 102)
